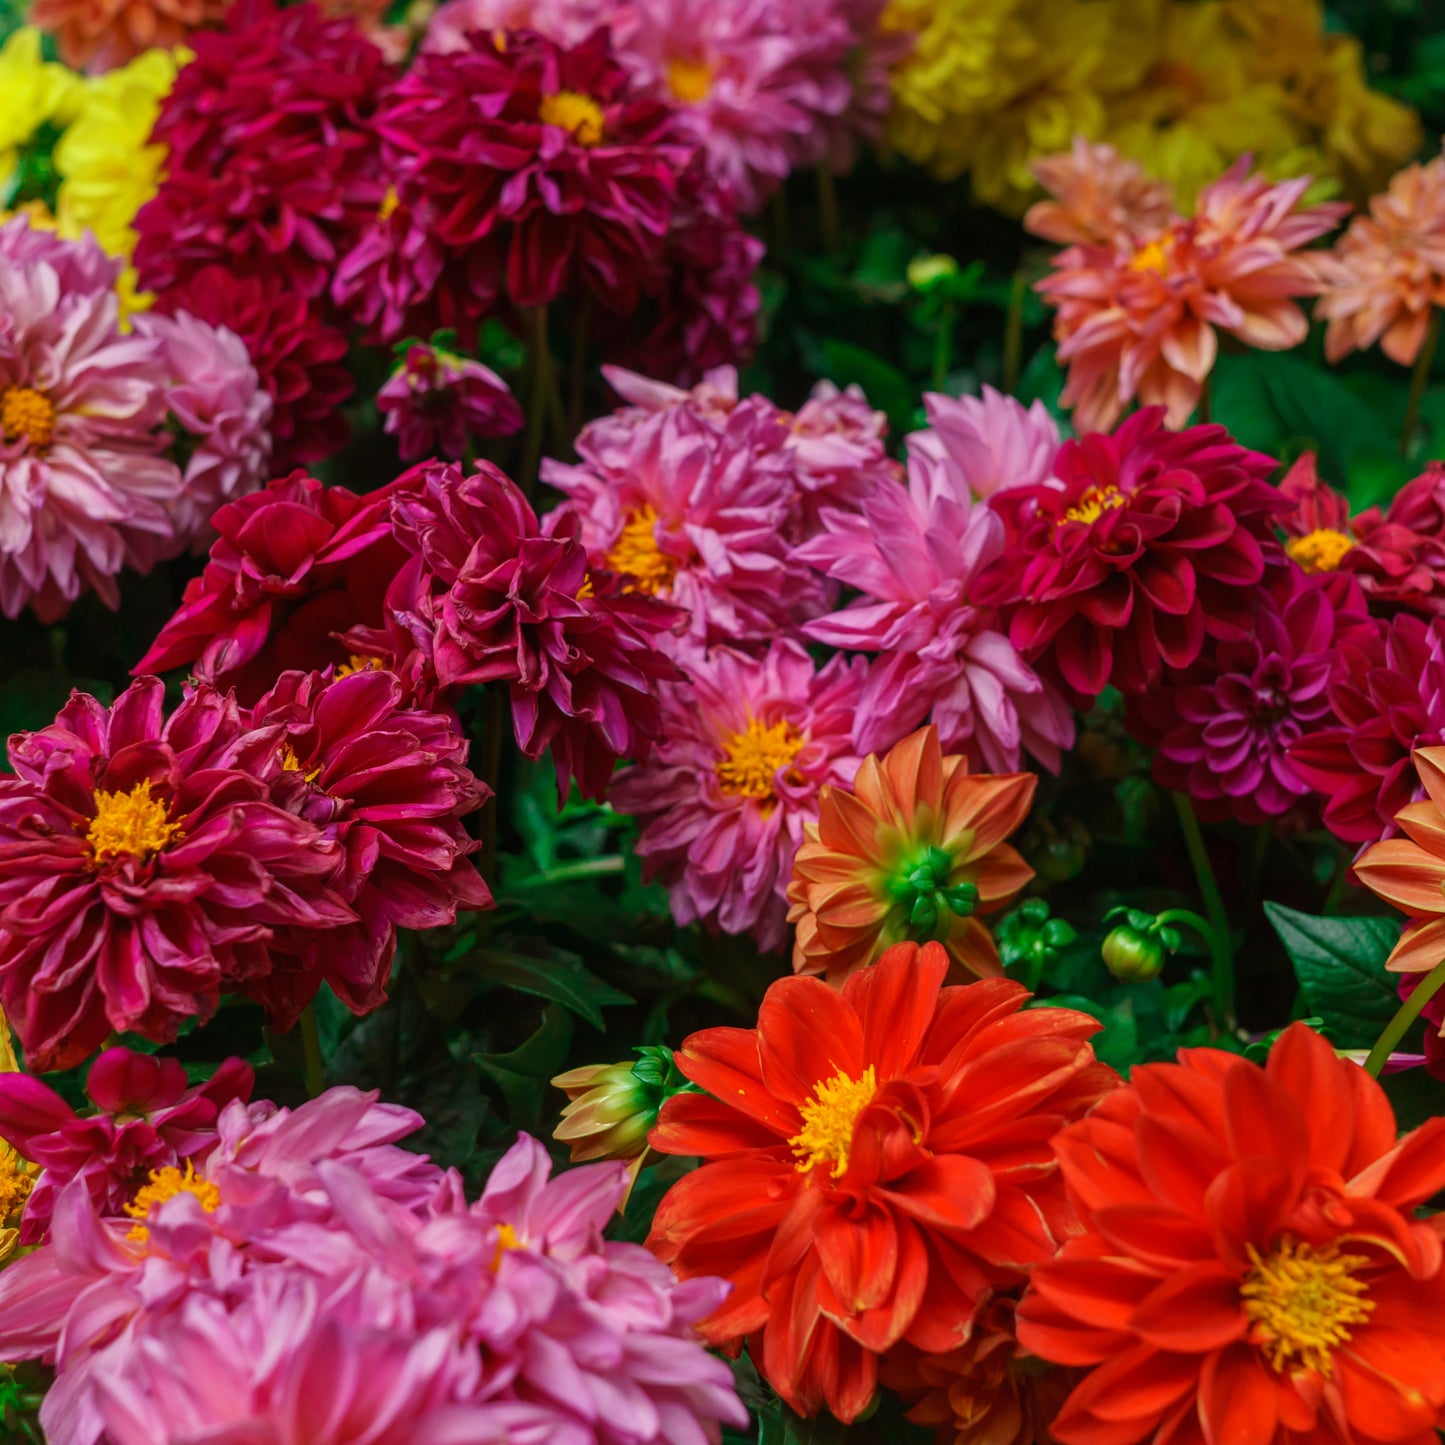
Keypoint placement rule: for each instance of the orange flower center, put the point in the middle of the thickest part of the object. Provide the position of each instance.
(132, 823)
(16, 1182)
(1094, 503)
(1319, 551)
(507, 1238)
(574, 112)
(689, 80)
(752, 758)
(290, 763)
(25, 412)
(389, 202)
(1301, 1302)
(828, 1120)
(637, 556)
(166, 1184)
(1151, 256)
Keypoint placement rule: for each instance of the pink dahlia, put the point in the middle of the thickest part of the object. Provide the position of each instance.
(390, 785)
(746, 748)
(994, 441)
(757, 84)
(568, 22)
(875, 48)
(914, 553)
(141, 871)
(491, 596)
(436, 402)
(294, 567)
(222, 411)
(85, 486)
(1223, 728)
(147, 1117)
(1099, 198)
(700, 515)
(1387, 696)
(839, 447)
(1155, 541)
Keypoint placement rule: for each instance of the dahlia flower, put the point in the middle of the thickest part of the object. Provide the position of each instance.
(436, 402)
(568, 22)
(141, 871)
(839, 447)
(993, 440)
(913, 850)
(875, 47)
(874, 1161)
(1100, 198)
(1387, 696)
(699, 515)
(491, 596)
(389, 785)
(33, 92)
(218, 403)
(1138, 315)
(105, 35)
(1223, 728)
(747, 745)
(915, 555)
(147, 1117)
(1154, 542)
(757, 85)
(84, 484)
(299, 358)
(1251, 1264)
(1385, 276)
(272, 168)
(294, 566)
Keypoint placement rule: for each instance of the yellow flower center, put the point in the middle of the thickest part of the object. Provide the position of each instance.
(165, 1184)
(507, 1238)
(1094, 503)
(689, 80)
(25, 412)
(574, 112)
(1151, 256)
(636, 555)
(357, 663)
(16, 1182)
(389, 202)
(1319, 551)
(1301, 1302)
(751, 758)
(828, 1120)
(132, 823)
(290, 763)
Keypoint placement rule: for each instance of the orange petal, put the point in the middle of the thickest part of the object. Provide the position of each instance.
(1404, 874)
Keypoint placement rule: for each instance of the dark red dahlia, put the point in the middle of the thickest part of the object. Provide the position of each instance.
(1222, 727)
(141, 871)
(272, 166)
(1156, 540)
(390, 785)
(532, 172)
(1388, 697)
(294, 567)
(505, 601)
(147, 1116)
(298, 356)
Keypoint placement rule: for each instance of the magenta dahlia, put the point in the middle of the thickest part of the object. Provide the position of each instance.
(747, 744)
(293, 568)
(141, 870)
(1155, 541)
(390, 785)
(436, 403)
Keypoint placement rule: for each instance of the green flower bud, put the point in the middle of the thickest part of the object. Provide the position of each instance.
(927, 272)
(1028, 938)
(1134, 951)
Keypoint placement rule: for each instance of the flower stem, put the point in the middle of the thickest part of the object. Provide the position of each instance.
(311, 1042)
(1409, 1011)
(1220, 958)
(1418, 379)
(539, 362)
(1223, 953)
(1204, 411)
(1013, 334)
(827, 207)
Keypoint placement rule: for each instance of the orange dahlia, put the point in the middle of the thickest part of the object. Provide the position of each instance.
(1251, 1269)
(104, 34)
(876, 1161)
(915, 850)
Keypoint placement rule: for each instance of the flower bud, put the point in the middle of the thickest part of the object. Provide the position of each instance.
(1030, 939)
(926, 272)
(1134, 951)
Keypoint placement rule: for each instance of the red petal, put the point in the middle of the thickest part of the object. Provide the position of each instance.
(1237, 1399)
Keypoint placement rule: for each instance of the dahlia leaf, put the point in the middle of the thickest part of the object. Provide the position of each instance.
(565, 982)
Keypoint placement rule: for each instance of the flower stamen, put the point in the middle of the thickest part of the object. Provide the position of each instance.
(753, 758)
(1302, 1301)
(134, 824)
(26, 412)
(828, 1119)
(637, 557)
(1094, 503)
(1319, 551)
(576, 113)
(689, 80)
(165, 1184)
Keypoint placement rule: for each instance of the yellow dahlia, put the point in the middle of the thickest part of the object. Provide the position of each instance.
(34, 93)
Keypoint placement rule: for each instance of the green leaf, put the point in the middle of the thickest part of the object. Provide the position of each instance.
(560, 980)
(1340, 965)
(523, 1077)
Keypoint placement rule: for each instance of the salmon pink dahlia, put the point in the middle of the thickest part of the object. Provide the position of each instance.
(1098, 198)
(875, 1161)
(1252, 1264)
(103, 34)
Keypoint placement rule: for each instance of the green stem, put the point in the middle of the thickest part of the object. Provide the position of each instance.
(828, 207)
(1409, 1011)
(1221, 963)
(1419, 377)
(1205, 409)
(570, 872)
(1013, 334)
(1223, 955)
(943, 346)
(1338, 884)
(311, 1042)
(539, 362)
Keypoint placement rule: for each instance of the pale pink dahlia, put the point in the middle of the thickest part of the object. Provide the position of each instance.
(994, 441)
(568, 22)
(141, 871)
(221, 410)
(839, 447)
(85, 486)
(914, 553)
(609, 439)
(724, 798)
(700, 515)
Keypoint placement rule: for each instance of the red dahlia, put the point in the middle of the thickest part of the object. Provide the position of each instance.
(1155, 541)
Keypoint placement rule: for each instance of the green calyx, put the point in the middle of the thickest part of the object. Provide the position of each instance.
(922, 888)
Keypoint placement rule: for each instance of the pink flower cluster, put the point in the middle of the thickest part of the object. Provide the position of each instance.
(297, 1275)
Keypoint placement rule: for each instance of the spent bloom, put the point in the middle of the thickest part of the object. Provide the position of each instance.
(436, 403)
(913, 850)
(747, 745)
(875, 1160)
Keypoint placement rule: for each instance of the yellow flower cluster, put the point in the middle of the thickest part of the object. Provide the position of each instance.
(1182, 86)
